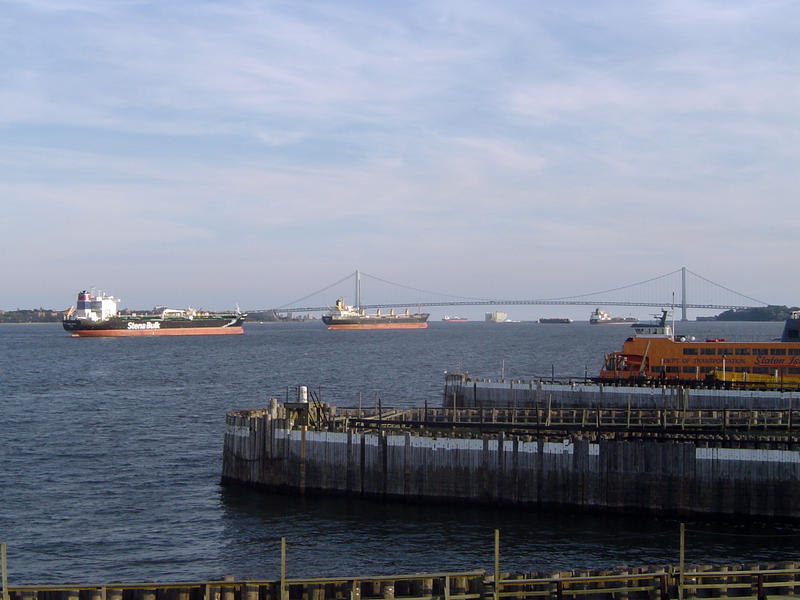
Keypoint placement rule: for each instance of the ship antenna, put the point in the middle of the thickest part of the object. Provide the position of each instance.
(674, 335)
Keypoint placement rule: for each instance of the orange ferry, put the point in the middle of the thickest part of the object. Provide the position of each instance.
(655, 355)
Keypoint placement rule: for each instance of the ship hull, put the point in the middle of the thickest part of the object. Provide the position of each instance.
(613, 321)
(120, 327)
(412, 322)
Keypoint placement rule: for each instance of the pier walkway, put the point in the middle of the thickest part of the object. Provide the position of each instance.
(777, 581)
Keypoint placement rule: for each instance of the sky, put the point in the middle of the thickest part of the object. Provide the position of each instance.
(213, 153)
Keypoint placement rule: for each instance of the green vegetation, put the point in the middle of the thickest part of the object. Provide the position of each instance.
(766, 313)
(36, 315)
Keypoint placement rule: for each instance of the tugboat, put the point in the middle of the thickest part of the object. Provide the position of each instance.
(655, 355)
(98, 316)
(343, 316)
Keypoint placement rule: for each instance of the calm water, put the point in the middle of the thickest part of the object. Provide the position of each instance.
(110, 457)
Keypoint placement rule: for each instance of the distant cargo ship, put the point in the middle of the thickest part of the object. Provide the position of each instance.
(600, 317)
(449, 319)
(98, 316)
(555, 320)
(352, 317)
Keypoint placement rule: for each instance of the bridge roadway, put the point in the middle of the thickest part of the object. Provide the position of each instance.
(670, 303)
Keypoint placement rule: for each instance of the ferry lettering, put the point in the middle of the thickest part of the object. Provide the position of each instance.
(769, 361)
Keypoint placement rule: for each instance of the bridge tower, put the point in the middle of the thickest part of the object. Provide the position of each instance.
(683, 294)
(358, 289)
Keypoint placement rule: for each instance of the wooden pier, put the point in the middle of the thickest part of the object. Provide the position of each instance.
(756, 582)
(669, 461)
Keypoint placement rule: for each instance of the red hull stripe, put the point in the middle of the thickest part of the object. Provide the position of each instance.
(158, 332)
(380, 326)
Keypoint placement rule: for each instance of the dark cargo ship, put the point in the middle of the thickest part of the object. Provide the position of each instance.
(98, 316)
(558, 320)
(349, 317)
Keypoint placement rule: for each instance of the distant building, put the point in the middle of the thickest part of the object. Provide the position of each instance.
(496, 317)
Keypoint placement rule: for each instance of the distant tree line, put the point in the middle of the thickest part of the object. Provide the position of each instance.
(34, 315)
(766, 313)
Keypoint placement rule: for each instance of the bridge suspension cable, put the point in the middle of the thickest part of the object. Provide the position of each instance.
(616, 289)
(408, 287)
(727, 289)
(325, 289)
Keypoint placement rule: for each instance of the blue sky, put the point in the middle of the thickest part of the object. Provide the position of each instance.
(210, 153)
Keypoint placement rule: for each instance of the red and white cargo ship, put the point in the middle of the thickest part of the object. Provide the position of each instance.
(98, 316)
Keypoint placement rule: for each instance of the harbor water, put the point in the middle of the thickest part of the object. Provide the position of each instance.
(111, 449)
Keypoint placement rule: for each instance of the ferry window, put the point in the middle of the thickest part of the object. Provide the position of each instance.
(777, 351)
(689, 351)
(742, 351)
(760, 351)
(794, 371)
(657, 369)
(794, 351)
(742, 369)
(707, 369)
(761, 370)
(671, 369)
(689, 370)
(708, 351)
(724, 351)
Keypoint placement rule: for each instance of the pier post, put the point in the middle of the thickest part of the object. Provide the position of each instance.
(249, 592)
(496, 564)
(427, 587)
(283, 595)
(680, 554)
(387, 590)
(227, 591)
(3, 569)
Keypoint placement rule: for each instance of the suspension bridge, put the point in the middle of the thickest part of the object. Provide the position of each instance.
(680, 288)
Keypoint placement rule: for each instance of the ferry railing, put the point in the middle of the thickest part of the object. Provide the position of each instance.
(780, 423)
